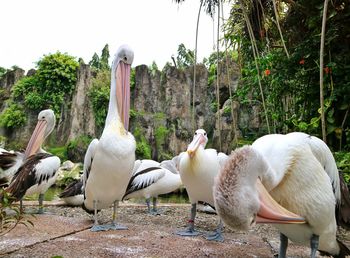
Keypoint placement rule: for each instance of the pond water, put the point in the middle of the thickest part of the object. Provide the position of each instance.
(52, 194)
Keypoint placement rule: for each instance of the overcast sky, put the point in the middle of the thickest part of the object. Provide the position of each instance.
(153, 28)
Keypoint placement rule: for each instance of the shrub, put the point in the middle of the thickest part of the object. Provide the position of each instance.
(13, 116)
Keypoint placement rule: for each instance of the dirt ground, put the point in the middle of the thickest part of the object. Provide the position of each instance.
(64, 232)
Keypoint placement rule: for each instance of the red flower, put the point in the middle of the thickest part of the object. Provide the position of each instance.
(327, 70)
(267, 72)
(302, 61)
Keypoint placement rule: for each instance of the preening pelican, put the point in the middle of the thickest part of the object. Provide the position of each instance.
(107, 169)
(150, 179)
(73, 193)
(290, 180)
(198, 168)
(39, 169)
(10, 161)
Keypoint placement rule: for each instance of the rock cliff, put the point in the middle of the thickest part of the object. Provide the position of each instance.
(162, 105)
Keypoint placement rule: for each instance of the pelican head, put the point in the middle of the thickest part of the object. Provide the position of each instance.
(199, 139)
(45, 125)
(120, 80)
(239, 196)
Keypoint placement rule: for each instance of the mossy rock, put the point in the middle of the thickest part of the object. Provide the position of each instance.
(76, 148)
(66, 176)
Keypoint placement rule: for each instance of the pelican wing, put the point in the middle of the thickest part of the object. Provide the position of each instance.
(143, 179)
(169, 165)
(324, 155)
(222, 157)
(88, 159)
(73, 189)
(36, 169)
(9, 163)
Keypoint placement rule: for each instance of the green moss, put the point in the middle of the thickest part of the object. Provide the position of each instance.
(160, 135)
(60, 152)
(143, 149)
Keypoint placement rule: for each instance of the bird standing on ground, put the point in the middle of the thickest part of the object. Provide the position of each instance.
(39, 168)
(198, 168)
(150, 179)
(289, 180)
(107, 169)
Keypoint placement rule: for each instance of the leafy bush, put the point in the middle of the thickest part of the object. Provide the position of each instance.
(53, 82)
(76, 148)
(99, 96)
(343, 164)
(13, 116)
(10, 215)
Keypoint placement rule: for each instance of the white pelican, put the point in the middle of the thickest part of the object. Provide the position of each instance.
(108, 170)
(151, 179)
(10, 161)
(39, 169)
(274, 179)
(198, 168)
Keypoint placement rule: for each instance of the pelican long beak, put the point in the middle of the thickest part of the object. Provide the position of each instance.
(271, 212)
(196, 142)
(37, 139)
(123, 92)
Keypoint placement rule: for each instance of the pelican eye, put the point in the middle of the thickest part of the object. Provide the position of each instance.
(195, 133)
(205, 134)
(125, 58)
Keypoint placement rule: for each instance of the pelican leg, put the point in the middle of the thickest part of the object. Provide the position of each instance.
(154, 211)
(97, 227)
(217, 235)
(114, 225)
(190, 231)
(148, 202)
(283, 246)
(21, 206)
(314, 245)
(41, 206)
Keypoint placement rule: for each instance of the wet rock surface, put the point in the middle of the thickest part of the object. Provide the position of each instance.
(65, 231)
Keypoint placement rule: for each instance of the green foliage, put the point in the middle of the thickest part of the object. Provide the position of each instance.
(343, 164)
(53, 82)
(76, 148)
(143, 149)
(153, 68)
(291, 85)
(59, 151)
(104, 58)
(100, 63)
(2, 71)
(13, 116)
(10, 215)
(161, 134)
(95, 61)
(99, 96)
(185, 57)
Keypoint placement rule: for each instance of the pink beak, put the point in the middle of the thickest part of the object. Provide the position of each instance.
(271, 212)
(37, 139)
(123, 92)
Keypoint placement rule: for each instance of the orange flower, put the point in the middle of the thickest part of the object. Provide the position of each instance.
(327, 70)
(267, 72)
(302, 61)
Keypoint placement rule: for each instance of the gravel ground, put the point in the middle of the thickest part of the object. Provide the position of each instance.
(64, 232)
